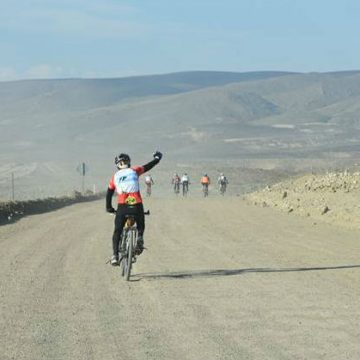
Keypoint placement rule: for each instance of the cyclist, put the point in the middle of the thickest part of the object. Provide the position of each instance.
(185, 181)
(148, 182)
(205, 182)
(222, 182)
(126, 183)
(176, 182)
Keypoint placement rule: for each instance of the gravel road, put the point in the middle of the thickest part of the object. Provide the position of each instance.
(221, 279)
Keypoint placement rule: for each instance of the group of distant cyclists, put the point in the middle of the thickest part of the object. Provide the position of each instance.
(184, 182)
(181, 184)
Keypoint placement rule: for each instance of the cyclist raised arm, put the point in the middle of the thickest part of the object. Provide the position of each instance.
(126, 184)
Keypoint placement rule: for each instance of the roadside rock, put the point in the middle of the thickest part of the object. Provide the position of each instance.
(14, 210)
(334, 194)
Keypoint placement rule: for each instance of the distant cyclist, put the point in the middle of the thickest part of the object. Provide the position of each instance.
(126, 183)
(185, 181)
(176, 183)
(205, 182)
(148, 182)
(222, 182)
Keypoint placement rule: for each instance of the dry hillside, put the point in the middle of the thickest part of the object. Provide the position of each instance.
(332, 197)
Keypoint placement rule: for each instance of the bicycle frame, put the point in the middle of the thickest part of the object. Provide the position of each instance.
(128, 245)
(129, 240)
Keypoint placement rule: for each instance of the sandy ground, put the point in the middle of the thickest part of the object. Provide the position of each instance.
(221, 279)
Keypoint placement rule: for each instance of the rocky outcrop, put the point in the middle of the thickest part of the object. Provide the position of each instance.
(333, 197)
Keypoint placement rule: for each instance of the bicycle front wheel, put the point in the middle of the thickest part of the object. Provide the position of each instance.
(129, 255)
(123, 252)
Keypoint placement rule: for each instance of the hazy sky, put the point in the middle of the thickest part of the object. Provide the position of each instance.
(112, 38)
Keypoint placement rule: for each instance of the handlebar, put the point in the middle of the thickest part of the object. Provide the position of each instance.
(147, 212)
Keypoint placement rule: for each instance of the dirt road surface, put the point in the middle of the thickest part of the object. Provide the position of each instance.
(221, 279)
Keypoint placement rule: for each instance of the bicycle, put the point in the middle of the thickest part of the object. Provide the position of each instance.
(177, 188)
(185, 188)
(129, 239)
(205, 190)
(222, 188)
(148, 190)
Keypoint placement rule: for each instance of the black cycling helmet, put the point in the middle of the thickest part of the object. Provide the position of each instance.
(122, 157)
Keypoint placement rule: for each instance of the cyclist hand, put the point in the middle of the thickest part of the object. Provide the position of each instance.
(111, 210)
(157, 155)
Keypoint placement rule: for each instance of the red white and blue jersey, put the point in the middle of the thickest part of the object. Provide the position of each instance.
(126, 184)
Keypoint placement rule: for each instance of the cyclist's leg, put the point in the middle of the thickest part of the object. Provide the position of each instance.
(140, 219)
(140, 223)
(119, 225)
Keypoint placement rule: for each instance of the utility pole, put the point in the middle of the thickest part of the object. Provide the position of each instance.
(83, 172)
(82, 169)
(12, 187)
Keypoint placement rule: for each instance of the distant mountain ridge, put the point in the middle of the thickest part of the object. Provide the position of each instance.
(80, 93)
